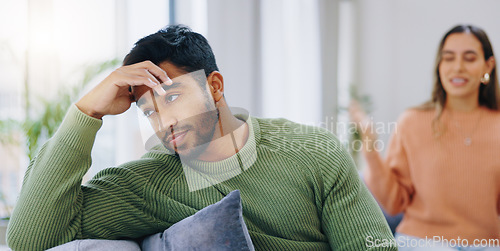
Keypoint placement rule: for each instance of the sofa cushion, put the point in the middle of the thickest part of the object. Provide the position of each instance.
(219, 226)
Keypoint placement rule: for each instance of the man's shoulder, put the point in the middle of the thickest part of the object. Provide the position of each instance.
(290, 128)
(313, 148)
(297, 137)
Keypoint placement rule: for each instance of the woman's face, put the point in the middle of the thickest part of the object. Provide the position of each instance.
(462, 66)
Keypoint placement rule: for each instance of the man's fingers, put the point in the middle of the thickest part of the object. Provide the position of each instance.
(155, 85)
(158, 72)
(160, 90)
(144, 73)
(136, 80)
(138, 77)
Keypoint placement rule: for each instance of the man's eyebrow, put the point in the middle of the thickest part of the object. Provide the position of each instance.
(174, 85)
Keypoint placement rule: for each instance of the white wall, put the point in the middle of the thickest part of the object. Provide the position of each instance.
(133, 20)
(233, 33)
(269, 53)
(397, 44)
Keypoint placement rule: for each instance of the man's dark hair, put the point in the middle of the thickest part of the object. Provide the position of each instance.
(177, 44)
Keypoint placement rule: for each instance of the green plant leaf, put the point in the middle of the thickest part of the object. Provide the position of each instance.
(52, 112)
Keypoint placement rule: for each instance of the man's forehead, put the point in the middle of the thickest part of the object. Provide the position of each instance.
(171, 69)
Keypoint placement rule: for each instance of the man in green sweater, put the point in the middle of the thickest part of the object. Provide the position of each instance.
(299, 187)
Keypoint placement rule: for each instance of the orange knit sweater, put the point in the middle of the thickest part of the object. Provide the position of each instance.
(444, 187)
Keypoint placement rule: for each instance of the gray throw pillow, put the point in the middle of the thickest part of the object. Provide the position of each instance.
(219, 226)
(97, 245)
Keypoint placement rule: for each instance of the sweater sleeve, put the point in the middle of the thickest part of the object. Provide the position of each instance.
(52, 205)
(351, 218)
(389, 180)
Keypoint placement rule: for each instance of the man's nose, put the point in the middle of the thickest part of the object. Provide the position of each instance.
(166, 121)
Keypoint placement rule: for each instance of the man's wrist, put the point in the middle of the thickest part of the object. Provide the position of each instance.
(89, 112)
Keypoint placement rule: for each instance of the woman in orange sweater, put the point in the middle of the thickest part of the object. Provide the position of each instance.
(442, 167)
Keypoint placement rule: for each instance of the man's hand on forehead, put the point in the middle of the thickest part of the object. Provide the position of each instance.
(162, 90)
(159, 74)
(112, 96)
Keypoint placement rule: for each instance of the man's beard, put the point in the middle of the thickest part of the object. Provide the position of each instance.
(201, 127)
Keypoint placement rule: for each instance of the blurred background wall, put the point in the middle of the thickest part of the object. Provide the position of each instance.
(298, 59)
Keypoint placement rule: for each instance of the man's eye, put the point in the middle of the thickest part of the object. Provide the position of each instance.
(171, 98)
(148, 113)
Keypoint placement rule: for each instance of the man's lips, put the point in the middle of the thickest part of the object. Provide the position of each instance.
(176, 138)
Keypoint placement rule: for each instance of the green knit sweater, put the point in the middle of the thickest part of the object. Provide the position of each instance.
(302, 192)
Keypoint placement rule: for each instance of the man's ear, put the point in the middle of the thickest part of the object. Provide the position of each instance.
(216, 84)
